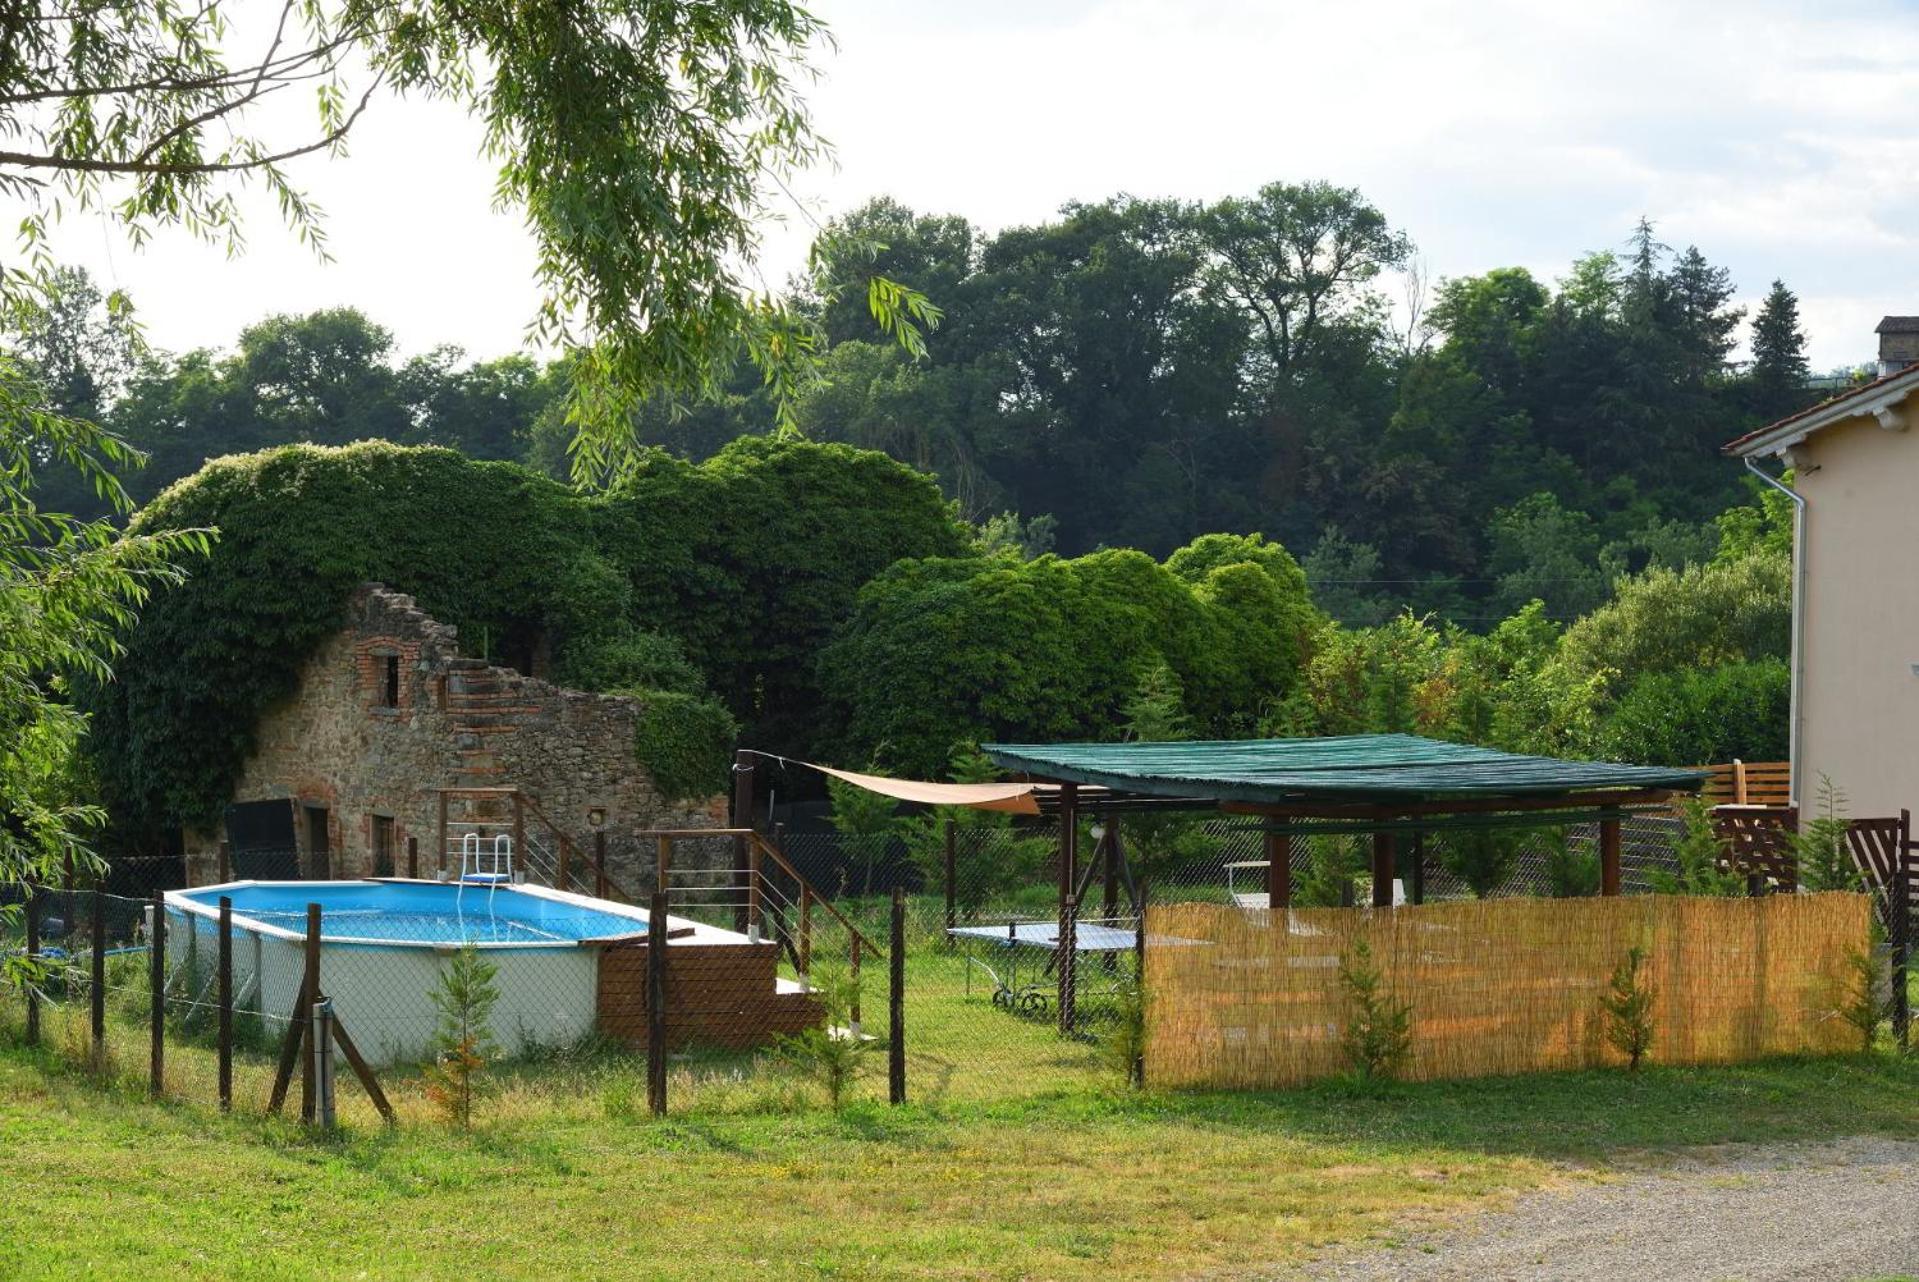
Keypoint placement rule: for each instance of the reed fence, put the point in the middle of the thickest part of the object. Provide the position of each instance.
(1496, 986)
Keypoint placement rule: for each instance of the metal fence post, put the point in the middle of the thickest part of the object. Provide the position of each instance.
(896, 1003)
(31, 911)
(224, 965)
(157, 981)
(311, 987)
(952, 895)
(98, 997)
(322, 1060)
(1067, 959)
(1139, 987)
(806, 936)
(1900, 936)
(656, 997)
(853, 1014)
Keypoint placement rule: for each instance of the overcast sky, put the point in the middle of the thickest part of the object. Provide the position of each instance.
(1783, 139)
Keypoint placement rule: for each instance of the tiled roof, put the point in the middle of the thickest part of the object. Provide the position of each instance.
(1898, 325)
(1863, 391)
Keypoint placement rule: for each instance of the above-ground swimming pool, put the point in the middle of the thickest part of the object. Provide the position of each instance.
(385, 943)
(426, 913)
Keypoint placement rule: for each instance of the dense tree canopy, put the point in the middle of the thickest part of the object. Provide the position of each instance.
(941, 652)
(639, 139)
(1508, 495)
(1137, 373)
(741, 565)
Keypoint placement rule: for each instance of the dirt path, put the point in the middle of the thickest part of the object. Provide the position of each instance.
(1806, 1213)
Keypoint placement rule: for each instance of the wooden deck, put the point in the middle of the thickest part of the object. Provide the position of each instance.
(724, 995)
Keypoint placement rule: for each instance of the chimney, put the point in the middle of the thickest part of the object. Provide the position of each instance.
(1898, 344)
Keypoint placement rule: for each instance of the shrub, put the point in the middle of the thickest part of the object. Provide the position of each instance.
(1483, 858)
(1572, 874)
(1820, 846)
(1628, 1005)
(685, 741)
(940, 651)
(1864, 998)
(1332, 864)
(1697, 856)
(1379, 1028)
(1123, 1047)
(1694, 716)
(465, 997)
(829, 1054)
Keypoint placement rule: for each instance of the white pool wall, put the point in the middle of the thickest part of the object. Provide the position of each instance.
(383, 992)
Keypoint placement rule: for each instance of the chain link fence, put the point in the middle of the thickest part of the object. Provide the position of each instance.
(931, 961)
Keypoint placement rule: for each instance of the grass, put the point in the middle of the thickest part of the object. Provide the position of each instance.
(565, 1175)
(1020, 1157)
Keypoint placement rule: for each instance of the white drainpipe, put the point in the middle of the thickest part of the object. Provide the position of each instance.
(1796, 714)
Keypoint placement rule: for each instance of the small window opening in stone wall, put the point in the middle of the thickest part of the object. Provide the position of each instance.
(390, 692)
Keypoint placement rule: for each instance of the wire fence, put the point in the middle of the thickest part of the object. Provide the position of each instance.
(946, 961)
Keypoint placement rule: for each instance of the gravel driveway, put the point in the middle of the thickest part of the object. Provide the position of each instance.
(1809, 1213)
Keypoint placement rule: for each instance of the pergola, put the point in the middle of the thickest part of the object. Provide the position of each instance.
(1387, 785)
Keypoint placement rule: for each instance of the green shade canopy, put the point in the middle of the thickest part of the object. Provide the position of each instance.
(1375, 769)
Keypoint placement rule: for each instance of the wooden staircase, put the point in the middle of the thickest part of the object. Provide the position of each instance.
(724, 989)
(723, 995)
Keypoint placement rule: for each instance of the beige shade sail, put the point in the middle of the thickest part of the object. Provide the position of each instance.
(1012, 798)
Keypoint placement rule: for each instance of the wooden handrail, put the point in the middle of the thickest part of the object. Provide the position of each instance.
(619, 890)
(771, 851)
(760, 844)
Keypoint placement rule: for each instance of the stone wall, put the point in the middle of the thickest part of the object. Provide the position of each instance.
(388, 713)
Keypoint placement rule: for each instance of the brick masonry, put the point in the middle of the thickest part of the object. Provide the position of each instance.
(388, 712)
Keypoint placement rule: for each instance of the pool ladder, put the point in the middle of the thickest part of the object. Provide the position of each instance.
(481, 865)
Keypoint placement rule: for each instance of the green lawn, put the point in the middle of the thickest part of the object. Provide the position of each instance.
(564, 1176)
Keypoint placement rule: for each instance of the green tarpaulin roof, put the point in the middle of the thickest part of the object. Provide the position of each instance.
(1357, 769)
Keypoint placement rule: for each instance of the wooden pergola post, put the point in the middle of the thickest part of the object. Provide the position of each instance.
(1383, 873)
(1609, 856)
(1279, 870)
(1068, 841)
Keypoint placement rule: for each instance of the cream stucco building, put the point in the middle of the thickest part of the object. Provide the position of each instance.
(1855, 464)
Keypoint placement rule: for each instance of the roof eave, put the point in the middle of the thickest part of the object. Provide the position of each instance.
(1875, 400)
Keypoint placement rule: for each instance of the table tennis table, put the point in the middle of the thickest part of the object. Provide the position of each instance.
(1031, 948)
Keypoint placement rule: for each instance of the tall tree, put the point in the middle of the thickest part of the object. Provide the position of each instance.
(80, 344)
(1779, 367)
(1297, 258)
(641, 139)
(1702, 315)
(68, 588)
(937, 252)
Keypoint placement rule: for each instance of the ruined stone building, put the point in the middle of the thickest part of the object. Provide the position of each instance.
(390, 722)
